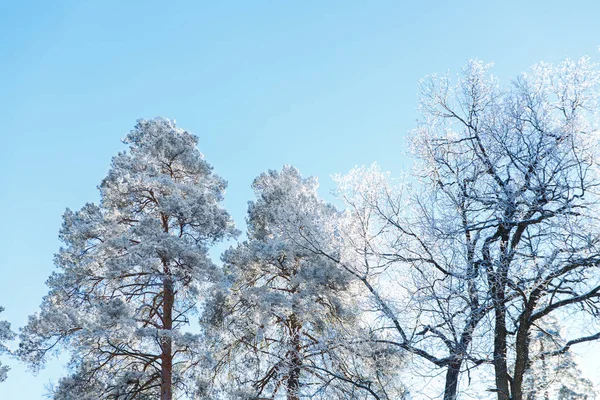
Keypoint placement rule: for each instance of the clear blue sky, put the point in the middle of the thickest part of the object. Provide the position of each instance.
(323, 85)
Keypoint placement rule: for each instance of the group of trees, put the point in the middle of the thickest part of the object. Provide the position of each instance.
(498, 231)
(482, 261)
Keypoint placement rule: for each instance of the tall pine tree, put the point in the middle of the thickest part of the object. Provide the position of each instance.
(290, 320)
(132, 270)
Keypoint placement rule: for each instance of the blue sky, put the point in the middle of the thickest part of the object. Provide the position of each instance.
(321, 85)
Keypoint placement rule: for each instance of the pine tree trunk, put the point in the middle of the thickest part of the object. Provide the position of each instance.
(166, 373)
(293, 382)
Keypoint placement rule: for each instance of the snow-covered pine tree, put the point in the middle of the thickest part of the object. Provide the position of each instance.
(288, 307)
(132, 271)
(6, 334)
(554, 374)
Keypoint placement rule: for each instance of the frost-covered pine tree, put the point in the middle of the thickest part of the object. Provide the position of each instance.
(6, 334)
(288, 307)
(554, 374)
(132, 271)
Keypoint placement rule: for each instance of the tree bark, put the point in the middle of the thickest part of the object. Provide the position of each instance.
(166, 373)
(451, 386)
(295, 360)
(522, 346)
(521, 361)
(500, 365)
(166, 357)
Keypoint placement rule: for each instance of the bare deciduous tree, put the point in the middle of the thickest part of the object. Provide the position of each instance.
(500, 221)
(525, 162)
